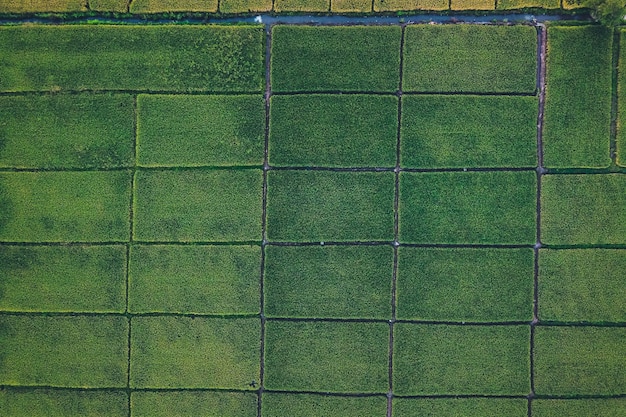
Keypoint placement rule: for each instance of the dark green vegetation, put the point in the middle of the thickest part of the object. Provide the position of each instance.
(468, 131)
(611, 407)
(466, 407)
(467, 207)
(470, 58)
(578, 97)
(147, 58)
(63, 403)
(190, 403)
(608, 12)
(181, 130)
(304, 58)
(465, 284)
(306, 405)
(333, 130)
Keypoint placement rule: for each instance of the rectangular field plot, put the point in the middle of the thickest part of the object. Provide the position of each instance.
(470, 59)
(317, 206)
(185, 130)
(468, 131)
(301, 5)
(190, 403)
(466, 407)
(333, 130)
(621, 103)
(465, 284)
(164, 6)
(119, 6)
(62, 403)
(472, 4)
(467, 207)
(64, 206)
(63, 278)
(312, 405)
(194, 279)
(147, 58)
(198, 205)
(39, 6)
(80, 352)
(578, 97)
(194, 352)
(327, 356)
(245, 6)
(521, 4)
(444, 359)
(328, 281)
(392, 5)
(306, 58)
(350, 6)
(67, 131)
(590, 407)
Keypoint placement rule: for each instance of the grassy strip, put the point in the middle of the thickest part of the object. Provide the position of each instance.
(400, 5)
(64, 206)
(80, 352)
(305, 58)
(330, 206)
(194, 279)
(167, 58)
(161, 6)
(301, 5)
(67, 131)
(605, 407)
(179, 130)
(189, 403)
(580, 361)
(245, 6)
(468, 131)
(198, 352)
(470, 58)
(62, 403)
(465, 284)
(441, 359)
(466, 407)
(333, 130)
(521, 4)
(63, 278)
(583, 209)
(578, 97)
(306, 405)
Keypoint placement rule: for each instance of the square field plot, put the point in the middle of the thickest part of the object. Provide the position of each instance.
(80, 352)
(67, 131)
(333, 130)
(580, 361)
(313, 405)
(327, 356)
(468, 131)
(62, 403)
(344, 58)
(194, 279)
(65, 206)
(194, 352)
(190, 403)
(198, 205)
(330, 206)
(403, 5)
(186, 130)
(583, 209)
(470, 58)
(454, 359)
(328, 281)
(582, 285)
(577, 122)
(465, 284)
(466, 407)
(468, 207)
(590, 407)
(147, 58)
(63, 278)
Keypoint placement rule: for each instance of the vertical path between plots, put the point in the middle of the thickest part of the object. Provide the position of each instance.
(614, 95)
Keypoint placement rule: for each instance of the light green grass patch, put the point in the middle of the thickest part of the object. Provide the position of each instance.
(39, 6)
(178, 58)
(195, 205)
(577, 118)
(580, 360)
(333, 130)
(327, 356)
(64, 206)
(301, 5)
(190, 403)
(589, 407)
(521, 4)
(63, 278)
(311, 405)
(465, 284)
(119, 6)
(62, 403)
(183, 130)
(350, 6)
(468, 131)
(195, 352)
(79, 352)
(305, 58)
(330, 206)
(467, 207)
(329, 281)
(465, 407)
(245, 6)
(194, 279)
(163, 6)
(401, 5)
(470, 58)
(444, 359)
(472, 4)
(582, 285)
(583, 209)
